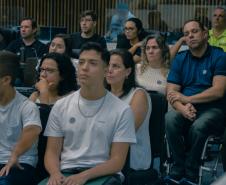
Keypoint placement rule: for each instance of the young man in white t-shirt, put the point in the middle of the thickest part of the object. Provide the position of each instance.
(20, 126)
(89, 131)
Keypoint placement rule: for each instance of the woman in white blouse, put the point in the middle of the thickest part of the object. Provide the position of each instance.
(151, 73)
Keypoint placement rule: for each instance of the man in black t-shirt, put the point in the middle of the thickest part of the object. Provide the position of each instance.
(28, 46)
(88, 21)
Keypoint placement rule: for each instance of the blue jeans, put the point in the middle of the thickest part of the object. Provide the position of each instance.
(186, 139)
(17, 176)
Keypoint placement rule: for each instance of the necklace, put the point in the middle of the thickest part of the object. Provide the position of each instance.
(91, 115)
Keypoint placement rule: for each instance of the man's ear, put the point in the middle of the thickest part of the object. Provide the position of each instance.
(95, 23)
(34, 30)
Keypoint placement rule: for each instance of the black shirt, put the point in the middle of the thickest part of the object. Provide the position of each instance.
(124, 43)
(78, 40)
(37, 49)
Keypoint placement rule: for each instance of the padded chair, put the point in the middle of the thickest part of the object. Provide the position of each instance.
(156, 129)
(26, 91)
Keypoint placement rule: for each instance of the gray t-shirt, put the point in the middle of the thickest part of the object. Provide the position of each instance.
(16, 115)
(87, 140)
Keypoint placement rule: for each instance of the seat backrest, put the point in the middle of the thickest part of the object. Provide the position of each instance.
(26, 91)
(157, 123)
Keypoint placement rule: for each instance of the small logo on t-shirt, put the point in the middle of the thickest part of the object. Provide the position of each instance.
(204, 72)
(72, 120)
(159, 82)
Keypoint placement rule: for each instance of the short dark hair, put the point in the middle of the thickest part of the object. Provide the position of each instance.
(67, 41)
(90, 13)
(201, 25)
(128, 62)
(33, 22)
(98, 48)
(66, 71)
(9, 65)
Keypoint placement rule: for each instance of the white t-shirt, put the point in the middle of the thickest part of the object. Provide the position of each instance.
(140, 152)
(19, 113)
(87, 140)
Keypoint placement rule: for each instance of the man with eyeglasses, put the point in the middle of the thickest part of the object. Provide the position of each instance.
(88, 21)
(20, 126)
(217, 35)
(196, 87)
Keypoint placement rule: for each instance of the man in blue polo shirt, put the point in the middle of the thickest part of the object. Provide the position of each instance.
(195, 89)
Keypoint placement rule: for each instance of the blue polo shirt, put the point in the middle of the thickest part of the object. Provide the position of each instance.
(194, 74)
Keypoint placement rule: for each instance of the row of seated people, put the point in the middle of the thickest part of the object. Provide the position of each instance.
(131, 38)
(98, 150)
(163, 69)
(159, 63)
(173, 94)
(28, 48)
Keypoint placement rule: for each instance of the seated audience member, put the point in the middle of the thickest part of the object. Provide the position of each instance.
(217, 35)
(61, 43)
(151, 73)
(30, 49)
(155, 21)
(20, 127)
(201, 15)
(121, 81)
(88, 22)
(87, 138)
(131, 38)
(196, 88)
(117, 22)
(28, 46)
(56, 79)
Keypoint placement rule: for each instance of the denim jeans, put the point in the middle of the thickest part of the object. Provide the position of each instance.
(17, 176)
(186, 138)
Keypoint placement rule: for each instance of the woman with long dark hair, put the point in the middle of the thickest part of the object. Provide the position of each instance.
(131, 39)
(56, 79)
(121, 82)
